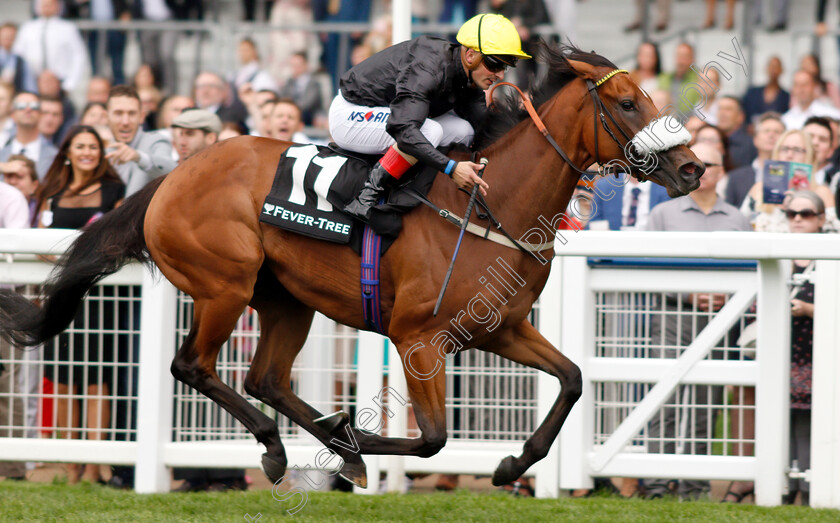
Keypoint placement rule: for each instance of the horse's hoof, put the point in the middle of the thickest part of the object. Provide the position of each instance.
(331, 422)
(355, 473)
(274, 468)
(505, 472)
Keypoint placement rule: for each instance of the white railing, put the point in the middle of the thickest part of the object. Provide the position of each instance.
(567, 317)
(581, 459)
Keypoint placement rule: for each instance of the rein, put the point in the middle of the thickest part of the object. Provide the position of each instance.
(598, 106)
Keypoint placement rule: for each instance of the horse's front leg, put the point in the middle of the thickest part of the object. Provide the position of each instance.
(524, 344)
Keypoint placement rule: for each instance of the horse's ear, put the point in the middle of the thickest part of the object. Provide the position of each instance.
(583, 69)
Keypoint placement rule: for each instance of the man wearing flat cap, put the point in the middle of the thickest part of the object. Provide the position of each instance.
(194, 130)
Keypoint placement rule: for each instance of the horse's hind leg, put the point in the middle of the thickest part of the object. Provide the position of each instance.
(195, 365)
(525, 345)
(269, 380)
(284, 325)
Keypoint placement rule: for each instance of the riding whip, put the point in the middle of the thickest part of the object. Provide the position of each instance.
(464, 223)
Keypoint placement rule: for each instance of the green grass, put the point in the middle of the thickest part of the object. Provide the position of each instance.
(58, 502)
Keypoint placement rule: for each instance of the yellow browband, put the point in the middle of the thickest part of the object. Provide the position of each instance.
(610, 75)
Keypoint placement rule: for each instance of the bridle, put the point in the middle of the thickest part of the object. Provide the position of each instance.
(601, 113)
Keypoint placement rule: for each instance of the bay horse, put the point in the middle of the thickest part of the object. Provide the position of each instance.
(200, 226)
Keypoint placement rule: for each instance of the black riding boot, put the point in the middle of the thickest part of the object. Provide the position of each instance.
(377, 183)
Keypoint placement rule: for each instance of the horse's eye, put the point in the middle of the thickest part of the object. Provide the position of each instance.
(627, 105)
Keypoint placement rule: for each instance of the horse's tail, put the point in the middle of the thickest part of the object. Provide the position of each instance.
(102, 249)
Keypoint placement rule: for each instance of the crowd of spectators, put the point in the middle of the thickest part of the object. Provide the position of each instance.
(736, 136)
(63, 166)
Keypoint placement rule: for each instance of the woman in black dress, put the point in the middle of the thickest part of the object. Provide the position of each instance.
(80, 187)
(806, 214)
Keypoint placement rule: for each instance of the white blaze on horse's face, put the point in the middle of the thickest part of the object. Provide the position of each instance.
(660, 135)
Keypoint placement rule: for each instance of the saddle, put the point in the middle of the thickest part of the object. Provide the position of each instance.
(312, 184)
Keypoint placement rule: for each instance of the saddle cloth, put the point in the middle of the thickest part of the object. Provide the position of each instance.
(312, 185)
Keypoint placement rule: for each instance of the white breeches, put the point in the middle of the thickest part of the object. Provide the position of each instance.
(362, 129)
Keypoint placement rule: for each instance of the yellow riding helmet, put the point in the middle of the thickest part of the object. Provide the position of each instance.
(491, 34)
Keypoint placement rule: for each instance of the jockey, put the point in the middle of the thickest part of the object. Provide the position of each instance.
(414, 96)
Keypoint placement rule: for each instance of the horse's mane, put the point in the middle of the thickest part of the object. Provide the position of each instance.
(507, 110)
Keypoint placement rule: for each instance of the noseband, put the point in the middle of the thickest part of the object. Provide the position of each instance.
(601, 113)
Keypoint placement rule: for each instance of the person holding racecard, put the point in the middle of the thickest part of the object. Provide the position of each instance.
(791, 167)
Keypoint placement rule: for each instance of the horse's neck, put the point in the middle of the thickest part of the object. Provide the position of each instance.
(531, 179)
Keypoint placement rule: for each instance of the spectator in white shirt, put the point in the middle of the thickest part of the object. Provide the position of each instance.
(805, 103)
(50, 43)
(251, 70)
(14, 212)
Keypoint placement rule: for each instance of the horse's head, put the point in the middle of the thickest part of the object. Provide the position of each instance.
(627, 134)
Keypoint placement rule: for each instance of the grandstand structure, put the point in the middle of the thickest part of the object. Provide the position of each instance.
(211, 44)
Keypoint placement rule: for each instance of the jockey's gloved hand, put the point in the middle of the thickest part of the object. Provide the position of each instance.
(465, 175)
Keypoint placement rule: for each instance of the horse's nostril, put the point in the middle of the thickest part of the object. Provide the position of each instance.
(688, 168)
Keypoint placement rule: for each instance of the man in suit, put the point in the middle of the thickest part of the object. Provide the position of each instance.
(755, 100)
(767, 132)
(303, 88)
(27, 140)
(13, 68)
(7, 125)
(624, 206)
(49, 88)
(115, 41)
(731, 122)
(211, 94)
(137, 156)
(51, 123)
